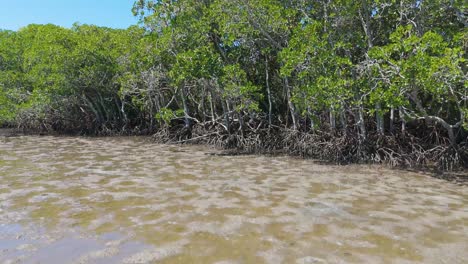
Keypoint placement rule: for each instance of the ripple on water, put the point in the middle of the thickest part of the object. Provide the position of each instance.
(126, 200)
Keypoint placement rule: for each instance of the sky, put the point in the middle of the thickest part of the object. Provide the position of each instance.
(15, 14)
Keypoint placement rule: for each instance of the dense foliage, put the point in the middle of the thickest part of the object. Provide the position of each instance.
(369, 75)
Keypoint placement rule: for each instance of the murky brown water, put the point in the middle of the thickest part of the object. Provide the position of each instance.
(124, 200)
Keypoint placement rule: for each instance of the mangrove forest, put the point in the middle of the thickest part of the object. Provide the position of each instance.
(345, 81)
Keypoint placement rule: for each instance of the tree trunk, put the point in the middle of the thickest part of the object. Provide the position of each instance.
(241, 122)
(392, 120)
(210, 96)
(270, 105)
(343, 121)
(403, 121)
(93, 109)
(332, 120)
(226, 116)
(186, 109)
(379, 119)
(292, 109)
(361, 123)
(312, 123)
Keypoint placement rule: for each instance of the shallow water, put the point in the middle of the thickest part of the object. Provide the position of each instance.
(125, 200)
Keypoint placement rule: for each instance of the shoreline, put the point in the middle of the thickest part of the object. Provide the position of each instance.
(457, 176)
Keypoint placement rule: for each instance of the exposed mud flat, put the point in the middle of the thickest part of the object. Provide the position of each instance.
(125, 200)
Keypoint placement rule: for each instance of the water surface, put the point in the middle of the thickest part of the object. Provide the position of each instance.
(125, 200)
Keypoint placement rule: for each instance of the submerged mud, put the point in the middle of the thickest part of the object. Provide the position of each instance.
(126, 200)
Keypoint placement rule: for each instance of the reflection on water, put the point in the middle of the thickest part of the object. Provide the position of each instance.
(124, 200)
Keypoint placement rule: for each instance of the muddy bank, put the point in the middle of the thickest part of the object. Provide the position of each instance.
(402, 151)
(399, 152)
(9, 132)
